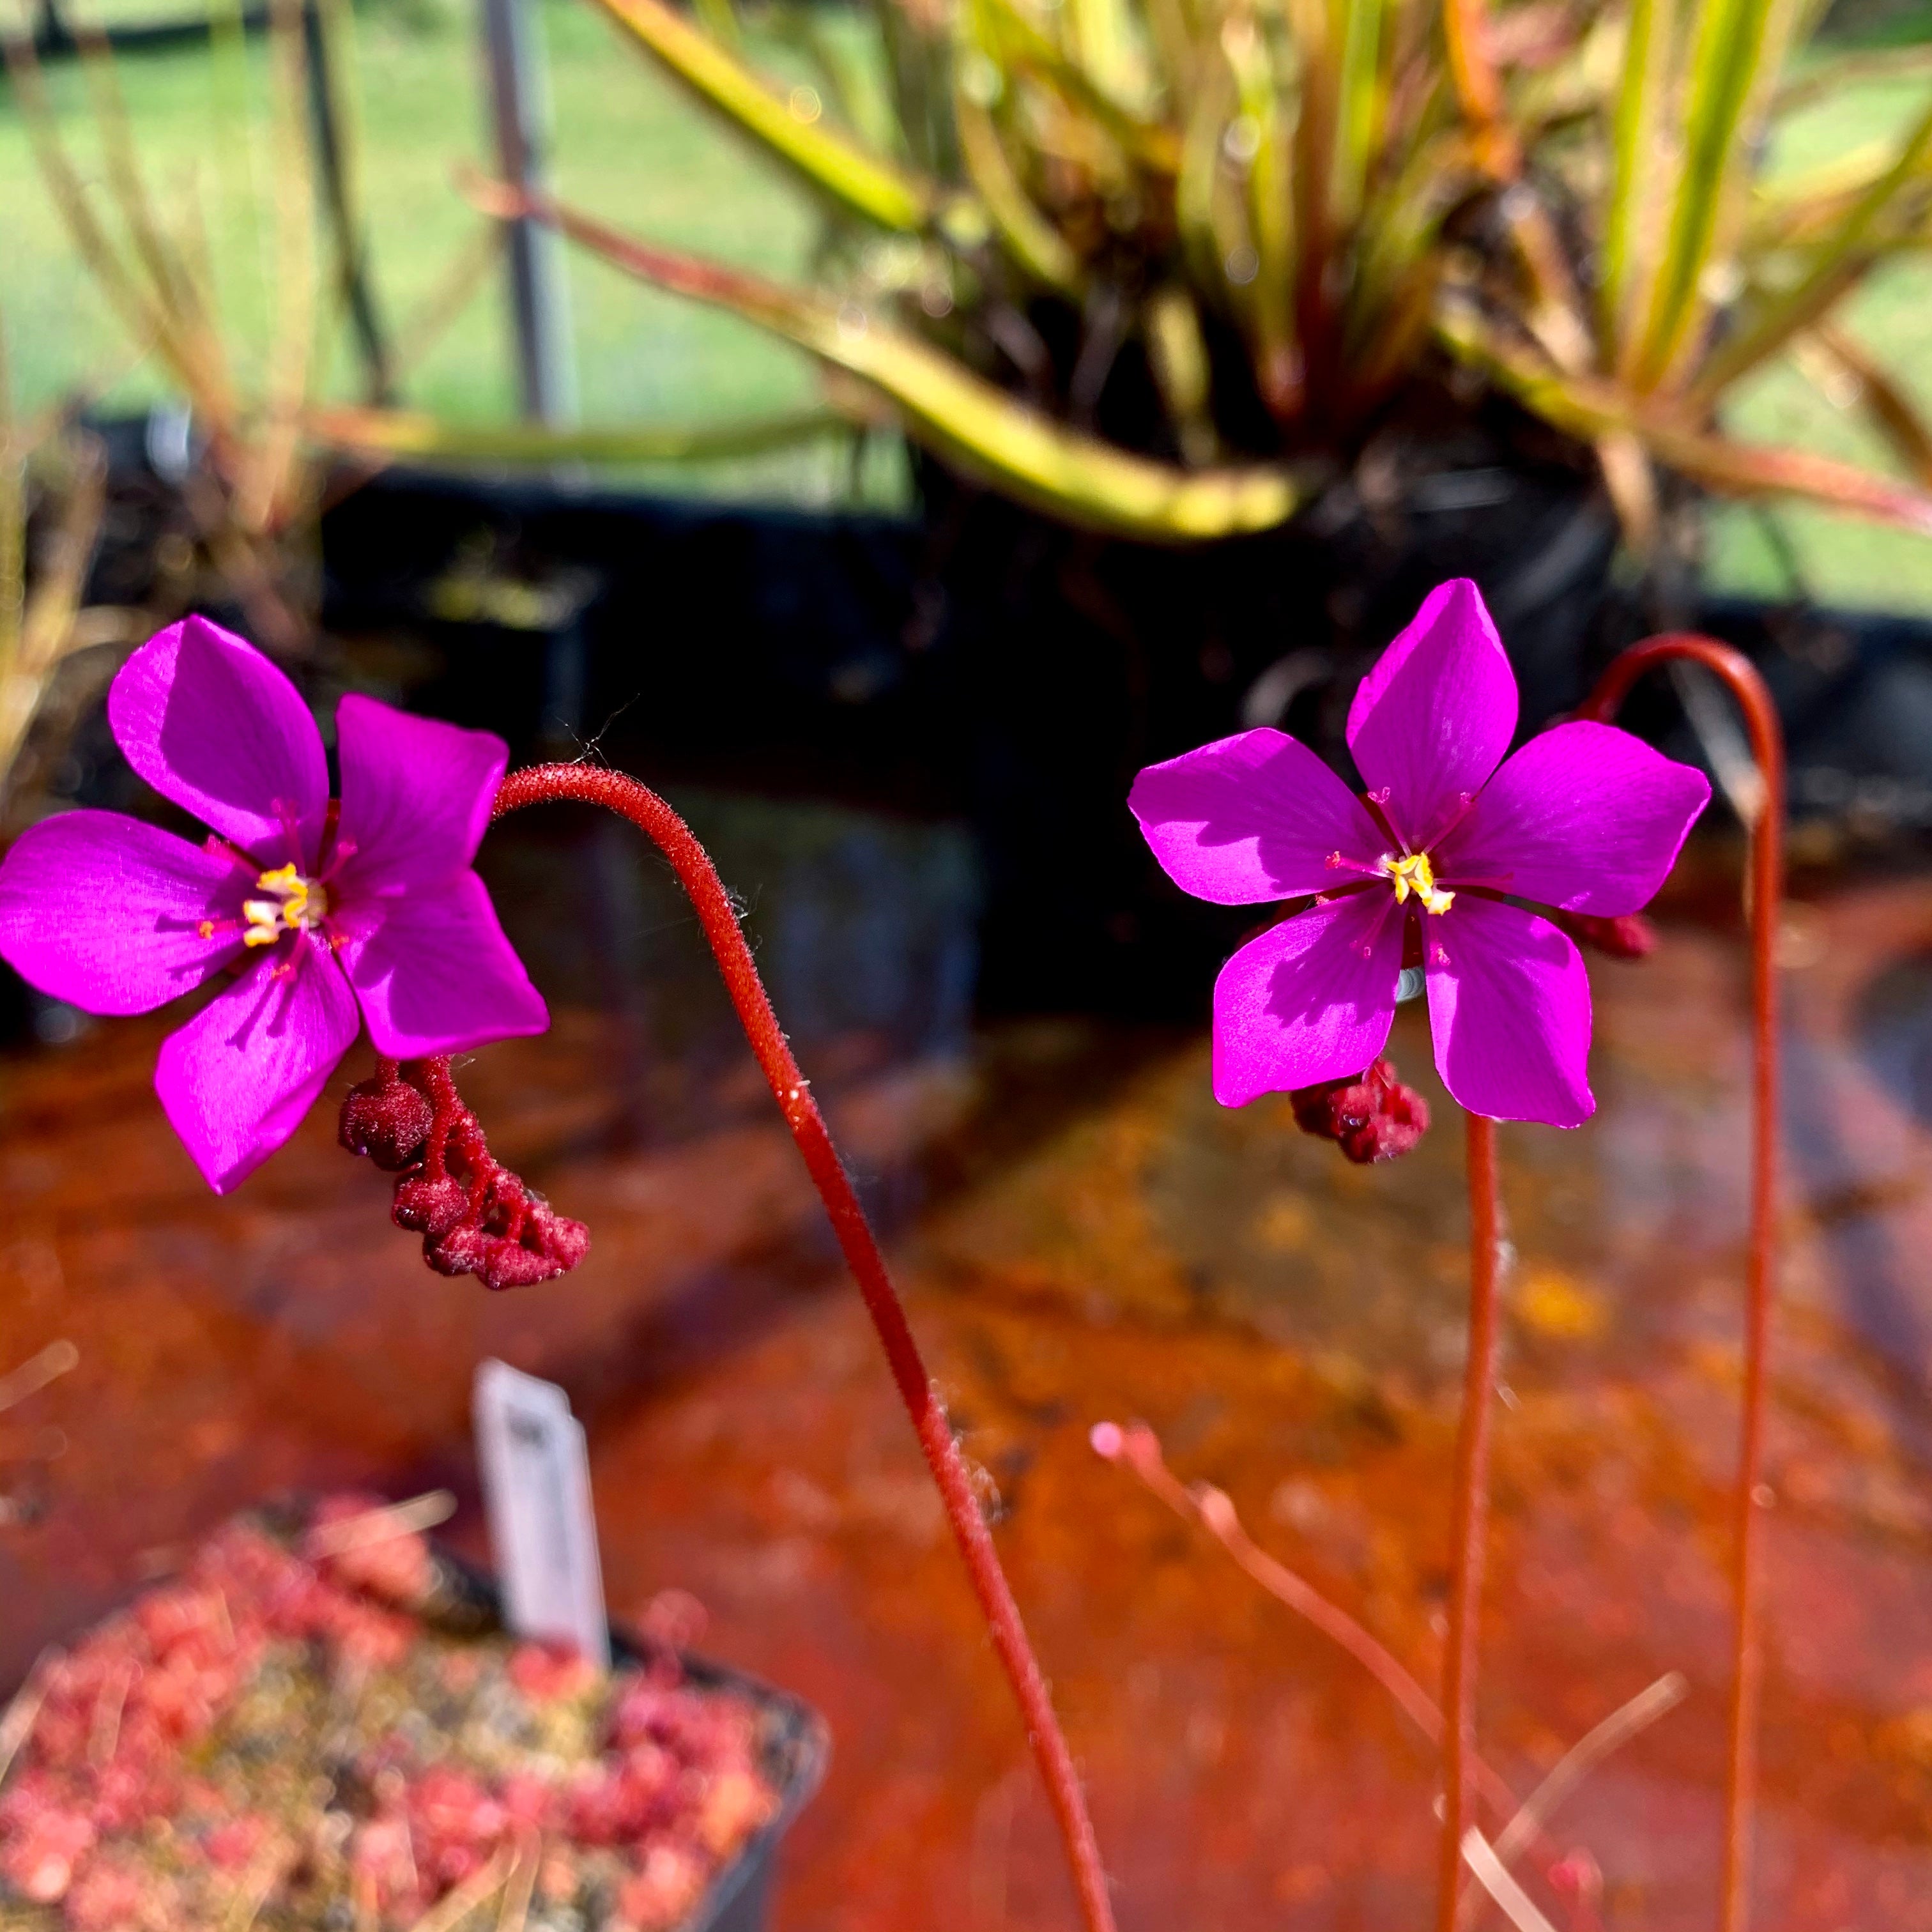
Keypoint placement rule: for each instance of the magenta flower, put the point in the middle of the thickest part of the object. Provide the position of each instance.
(1428, 864)
(366, 911)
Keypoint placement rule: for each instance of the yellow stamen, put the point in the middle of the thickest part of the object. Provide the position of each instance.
(298, 905)
(1413, 873)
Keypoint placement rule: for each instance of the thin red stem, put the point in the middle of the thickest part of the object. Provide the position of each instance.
(1214, 1510)
(1472, 1509)
(1767, 888)
(718, 916)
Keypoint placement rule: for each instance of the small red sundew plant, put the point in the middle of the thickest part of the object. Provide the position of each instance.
(363, 910)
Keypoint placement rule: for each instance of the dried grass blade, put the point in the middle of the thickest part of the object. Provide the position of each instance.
(454, 1907)
(1592, 409)
(381, 1525)
(16, 1724)
(48, 1364)
(1582, 1757)
(1515, 1904)
(1893, 413)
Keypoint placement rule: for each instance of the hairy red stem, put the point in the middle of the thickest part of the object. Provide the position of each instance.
(1471, 1514)
(1767, 886)
(719, 918)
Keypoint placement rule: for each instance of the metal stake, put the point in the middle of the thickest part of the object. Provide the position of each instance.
(519, 103)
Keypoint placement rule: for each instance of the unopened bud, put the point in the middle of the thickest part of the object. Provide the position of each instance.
(387, 1119)
(1630, 936)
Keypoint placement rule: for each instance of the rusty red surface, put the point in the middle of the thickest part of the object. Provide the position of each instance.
(1084, 1235)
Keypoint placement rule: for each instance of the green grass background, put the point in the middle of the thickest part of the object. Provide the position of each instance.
(628, 146)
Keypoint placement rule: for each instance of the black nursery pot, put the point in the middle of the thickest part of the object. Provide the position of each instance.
(984, 663)
(1079, 660)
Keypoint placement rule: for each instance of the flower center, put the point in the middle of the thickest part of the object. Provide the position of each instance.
(293, 903)
(1413, 873)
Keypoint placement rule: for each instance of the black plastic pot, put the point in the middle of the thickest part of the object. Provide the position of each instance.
(984, 663)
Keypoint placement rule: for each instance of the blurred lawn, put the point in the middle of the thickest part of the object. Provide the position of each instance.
(628, 146)
(1840, 559)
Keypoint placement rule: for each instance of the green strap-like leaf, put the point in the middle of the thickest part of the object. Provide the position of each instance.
(1736, 44)
(1592, 409)
(831, 162)
(1152, 144)
(414, 433)
(1830, 269)
(1033, 242)
(1360, 94)
(1630, 205)
(961, 415)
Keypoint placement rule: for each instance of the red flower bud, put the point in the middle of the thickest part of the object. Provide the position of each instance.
(387, 1119)
(1374, 1118)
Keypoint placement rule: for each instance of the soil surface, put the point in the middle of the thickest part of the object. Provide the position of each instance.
(1082, 1235)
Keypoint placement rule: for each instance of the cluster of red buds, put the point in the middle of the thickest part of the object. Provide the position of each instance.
(1372, 1117)
(1631, 936)
(474, 1215)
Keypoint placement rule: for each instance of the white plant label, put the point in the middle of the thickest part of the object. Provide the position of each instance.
(536, 1492)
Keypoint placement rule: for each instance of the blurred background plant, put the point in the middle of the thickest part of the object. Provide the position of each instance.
(235, 331)
(1266, 235)
(52, 495)
(1218, 333)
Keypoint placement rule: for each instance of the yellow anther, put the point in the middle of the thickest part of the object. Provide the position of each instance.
(1413, 873)
(298, 905)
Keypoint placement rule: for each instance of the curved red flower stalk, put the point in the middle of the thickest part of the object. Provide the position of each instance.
(1472, 1511)
(1767, 887)
(656, 820)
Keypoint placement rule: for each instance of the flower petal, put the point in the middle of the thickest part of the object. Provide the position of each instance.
(415, 795)
(1434, 718)
(1311, 1000)
(210, 724)
(435, 974)
(1584, 816)
(1509, 1005)
(1252, 817)
(235, 1081)
(106, 912)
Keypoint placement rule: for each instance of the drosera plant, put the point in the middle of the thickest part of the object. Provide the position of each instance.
(1461, 874)
(362, 910)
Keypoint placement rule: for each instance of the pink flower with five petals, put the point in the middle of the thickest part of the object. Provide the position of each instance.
(365, 909)
(1447, 841)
